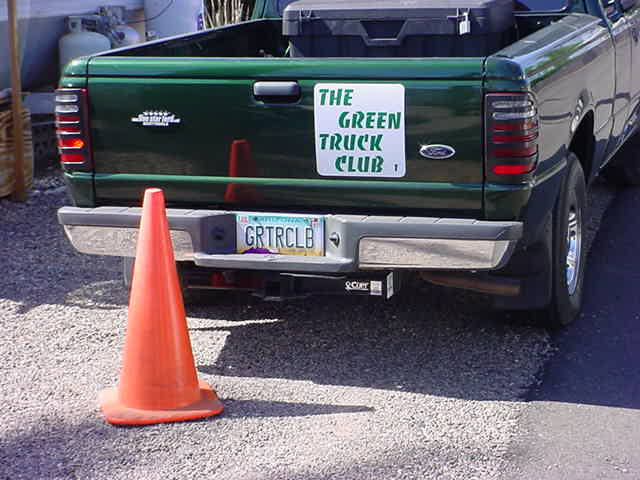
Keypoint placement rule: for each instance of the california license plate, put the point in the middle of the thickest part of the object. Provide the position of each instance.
(284, 234)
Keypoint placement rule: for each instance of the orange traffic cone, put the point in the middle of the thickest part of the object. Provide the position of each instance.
(241, 164)
(158, 382)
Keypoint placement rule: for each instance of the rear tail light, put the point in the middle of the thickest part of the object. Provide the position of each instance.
(72, 158)
(511, 136)
(511, 169)
(67, 108)
(71, 143)
(66, 98)
(72, 127)
(68, 130)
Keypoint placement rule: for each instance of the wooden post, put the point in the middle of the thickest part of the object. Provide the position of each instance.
(19, 193)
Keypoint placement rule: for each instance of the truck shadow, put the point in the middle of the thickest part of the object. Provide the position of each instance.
(39, 266)
(425, 340)
(449, 343)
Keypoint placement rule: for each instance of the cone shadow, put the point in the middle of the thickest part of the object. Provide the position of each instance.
(267, 409)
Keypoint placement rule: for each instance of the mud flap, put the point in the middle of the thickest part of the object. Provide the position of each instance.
(535, 285)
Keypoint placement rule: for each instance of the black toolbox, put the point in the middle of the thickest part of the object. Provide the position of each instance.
(398, 28)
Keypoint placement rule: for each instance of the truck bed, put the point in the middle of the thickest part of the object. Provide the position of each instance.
(207, 81)
(213, 95)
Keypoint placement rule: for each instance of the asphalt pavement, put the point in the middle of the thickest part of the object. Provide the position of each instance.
(583, 422)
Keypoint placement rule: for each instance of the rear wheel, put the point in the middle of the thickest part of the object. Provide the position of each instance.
(568, 251)
(624, 168)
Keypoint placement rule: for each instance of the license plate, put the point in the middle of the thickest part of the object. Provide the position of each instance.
(284, 234)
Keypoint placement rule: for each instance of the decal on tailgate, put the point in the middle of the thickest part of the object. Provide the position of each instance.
(359, 129)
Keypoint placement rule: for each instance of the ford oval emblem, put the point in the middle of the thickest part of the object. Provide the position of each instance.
(437, 152)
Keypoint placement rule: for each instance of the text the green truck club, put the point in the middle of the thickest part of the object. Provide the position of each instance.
(356, 120)
(349, 134)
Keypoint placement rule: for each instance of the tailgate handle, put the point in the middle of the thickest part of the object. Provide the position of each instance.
(276, 92)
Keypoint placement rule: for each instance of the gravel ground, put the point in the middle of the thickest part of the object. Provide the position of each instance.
(426, 385)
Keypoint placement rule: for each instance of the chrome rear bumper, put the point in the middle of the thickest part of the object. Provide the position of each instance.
(121, 241)
(431, 253)
(207, 237)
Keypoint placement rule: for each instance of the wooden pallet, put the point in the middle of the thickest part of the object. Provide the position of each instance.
(7, 162)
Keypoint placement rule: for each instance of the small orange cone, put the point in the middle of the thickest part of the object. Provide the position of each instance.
(158, 382)
(241, 164)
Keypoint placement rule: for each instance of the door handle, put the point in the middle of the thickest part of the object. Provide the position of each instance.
(276, 92)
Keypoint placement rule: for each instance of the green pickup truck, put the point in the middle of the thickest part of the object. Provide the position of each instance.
(289, 175)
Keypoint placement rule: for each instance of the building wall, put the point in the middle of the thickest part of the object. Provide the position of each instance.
(41, 23)
(63, 8)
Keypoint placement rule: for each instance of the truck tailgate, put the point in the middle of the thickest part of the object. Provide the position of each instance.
(193, 125)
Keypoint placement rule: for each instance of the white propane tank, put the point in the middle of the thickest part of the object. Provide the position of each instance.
(173, 17)
(79, 42)
(128, 35)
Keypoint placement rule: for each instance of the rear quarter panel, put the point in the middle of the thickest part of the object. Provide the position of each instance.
(569, 67)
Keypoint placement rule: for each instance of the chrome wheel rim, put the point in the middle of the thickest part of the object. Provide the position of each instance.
(574, 246)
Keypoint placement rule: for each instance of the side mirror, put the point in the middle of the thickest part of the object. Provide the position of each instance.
(627, 5)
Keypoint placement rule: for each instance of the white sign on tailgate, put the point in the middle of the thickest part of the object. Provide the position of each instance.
(359, 129)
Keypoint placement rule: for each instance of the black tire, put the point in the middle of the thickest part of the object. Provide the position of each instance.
(624, 167)
(568, 214)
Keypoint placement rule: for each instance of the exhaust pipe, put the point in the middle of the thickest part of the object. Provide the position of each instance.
(479, 282)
